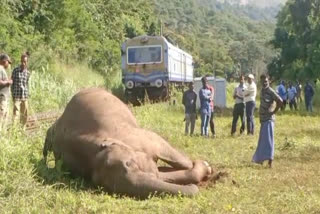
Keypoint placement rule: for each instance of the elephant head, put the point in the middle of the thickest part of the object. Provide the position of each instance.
(120, 169)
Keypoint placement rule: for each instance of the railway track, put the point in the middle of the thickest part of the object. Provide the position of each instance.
(37, 120)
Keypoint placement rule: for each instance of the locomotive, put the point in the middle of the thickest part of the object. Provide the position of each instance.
(152, 66)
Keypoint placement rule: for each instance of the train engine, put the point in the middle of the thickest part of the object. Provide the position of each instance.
(151, 66)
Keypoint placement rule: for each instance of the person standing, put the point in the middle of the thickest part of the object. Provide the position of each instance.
(205, 108)
(250, 93)
(308, 95)
(20, 90)
(189, 101)
(299, 89)
(5, 83)
(292, 94)
(270, 102)
(239, 107)
(281, 90)
(212, 129)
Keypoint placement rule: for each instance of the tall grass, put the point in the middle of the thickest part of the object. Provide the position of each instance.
(51, 87)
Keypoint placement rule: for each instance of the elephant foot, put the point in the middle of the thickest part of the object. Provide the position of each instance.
(201, 171)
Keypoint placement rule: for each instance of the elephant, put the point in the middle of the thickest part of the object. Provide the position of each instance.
(97, 137)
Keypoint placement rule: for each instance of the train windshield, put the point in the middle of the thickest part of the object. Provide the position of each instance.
(144, 55)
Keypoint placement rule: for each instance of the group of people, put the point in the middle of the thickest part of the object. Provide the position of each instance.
(18, 83)
(292, 94)
(245, 103)
(189, 99)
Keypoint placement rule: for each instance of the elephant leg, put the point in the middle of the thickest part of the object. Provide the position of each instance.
(173, 157)
(200, 171)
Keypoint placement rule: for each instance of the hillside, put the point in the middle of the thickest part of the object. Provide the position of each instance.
(223, 38)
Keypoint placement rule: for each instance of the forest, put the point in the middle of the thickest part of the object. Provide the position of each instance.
(225, 38)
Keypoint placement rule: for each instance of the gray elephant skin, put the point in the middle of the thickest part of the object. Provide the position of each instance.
(97, 137)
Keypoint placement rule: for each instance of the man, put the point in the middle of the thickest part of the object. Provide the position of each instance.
(250, 93)
(212, 111)
(292, 94)
(270, 102)
(4, 89)
(281, 90)
(299, 89)
(20, 90)
(189, 100)
(239, 107)
(308, 95)
(205, 108)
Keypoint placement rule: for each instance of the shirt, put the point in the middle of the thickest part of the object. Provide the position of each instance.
(308, 91)
(212, 96)
(20, 80)
(238, 92)
(250, 92)
(189, 100)
(4, 90)
(205, 96)
(282, 92)
(292, 93)
(268, 104)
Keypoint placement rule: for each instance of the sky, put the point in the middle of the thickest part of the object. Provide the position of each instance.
(261, 3)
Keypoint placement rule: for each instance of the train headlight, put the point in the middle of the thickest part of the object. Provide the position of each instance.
(130, 84)
(158, 83)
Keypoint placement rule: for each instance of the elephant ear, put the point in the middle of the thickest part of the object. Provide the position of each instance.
(106, 143)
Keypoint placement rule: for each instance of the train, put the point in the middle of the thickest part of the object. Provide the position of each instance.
(152, 66)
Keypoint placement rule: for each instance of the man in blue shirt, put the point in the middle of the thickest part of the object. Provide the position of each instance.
(205, 108)
(292, 94)
(281, 90)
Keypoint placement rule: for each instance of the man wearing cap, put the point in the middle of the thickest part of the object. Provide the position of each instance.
(250, 93)
(4, 89)
(20, 90)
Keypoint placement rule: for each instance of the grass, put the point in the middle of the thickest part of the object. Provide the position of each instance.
(292, 186)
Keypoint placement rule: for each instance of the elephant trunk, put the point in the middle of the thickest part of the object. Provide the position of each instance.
(144, 184)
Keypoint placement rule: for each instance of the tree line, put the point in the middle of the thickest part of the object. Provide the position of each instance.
(225, 39)
(297, 37)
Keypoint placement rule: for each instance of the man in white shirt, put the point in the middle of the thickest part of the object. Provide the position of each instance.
(239, 107)
(250, 93)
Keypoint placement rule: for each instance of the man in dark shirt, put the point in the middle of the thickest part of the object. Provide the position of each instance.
(308, 95)
(189, 100)
(20, 90)
(270, 102)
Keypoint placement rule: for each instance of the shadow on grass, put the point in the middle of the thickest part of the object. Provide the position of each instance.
(61, 178)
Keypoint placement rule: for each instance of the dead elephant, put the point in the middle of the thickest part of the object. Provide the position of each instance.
(98, 137)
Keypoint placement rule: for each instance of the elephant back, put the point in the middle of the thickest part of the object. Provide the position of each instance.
(94, 110)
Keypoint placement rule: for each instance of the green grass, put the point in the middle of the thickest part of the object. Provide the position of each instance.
(292, 186)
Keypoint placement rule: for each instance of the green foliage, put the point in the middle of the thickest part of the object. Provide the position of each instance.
(298, 37)
(224, 39)
(89, 32)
